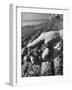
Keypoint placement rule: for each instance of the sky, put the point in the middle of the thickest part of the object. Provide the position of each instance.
(34, 18)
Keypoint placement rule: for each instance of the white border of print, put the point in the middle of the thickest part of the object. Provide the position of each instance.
(15, 44)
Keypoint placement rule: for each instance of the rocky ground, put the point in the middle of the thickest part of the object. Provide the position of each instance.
(32, 63)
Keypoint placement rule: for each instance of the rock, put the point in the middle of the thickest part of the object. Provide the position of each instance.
(25, 68)
(45, 53)
(58, 66)
(44, 67)
(35, 70)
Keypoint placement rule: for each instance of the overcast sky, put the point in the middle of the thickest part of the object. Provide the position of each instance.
(33, 19)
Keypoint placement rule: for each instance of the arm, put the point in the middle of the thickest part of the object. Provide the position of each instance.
(37, 40)
(52, 34)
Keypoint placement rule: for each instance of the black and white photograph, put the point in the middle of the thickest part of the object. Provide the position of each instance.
(41, 44)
